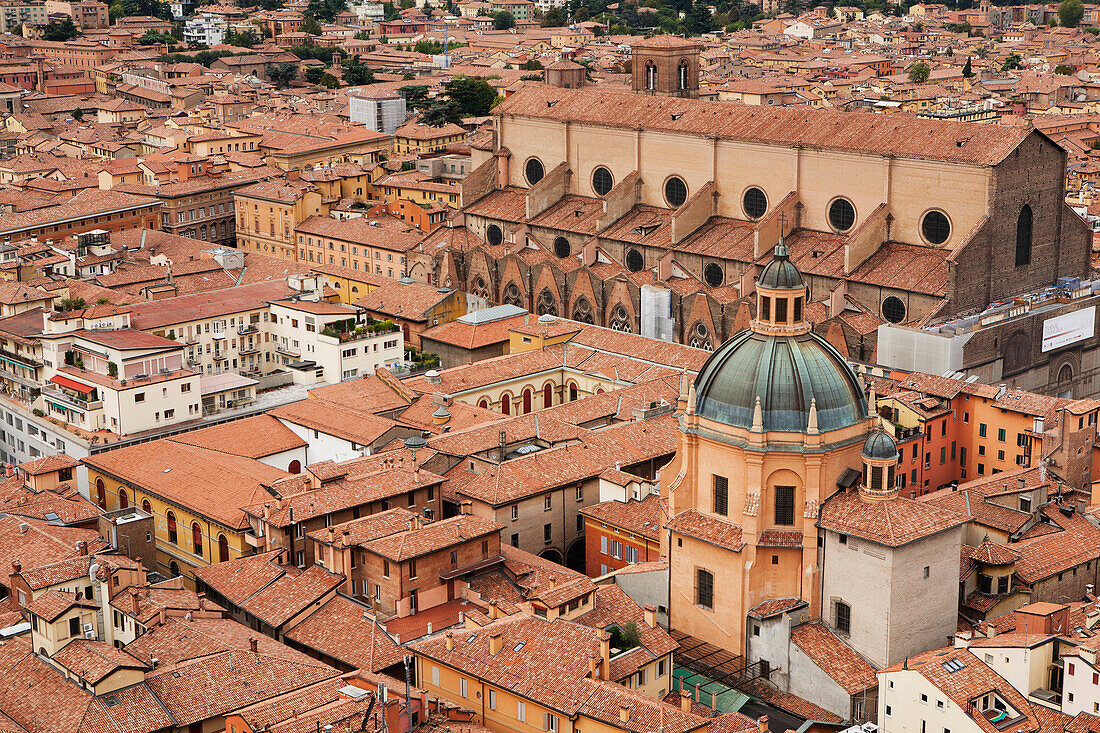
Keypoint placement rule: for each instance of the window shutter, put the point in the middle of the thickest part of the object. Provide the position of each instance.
(546, 721)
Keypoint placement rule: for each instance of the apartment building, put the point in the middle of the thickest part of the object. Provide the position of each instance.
(268, 213)
(221, 330)
(111, 211)
(370, 245)
(194, 494)
(399, 566)
(13, 15)
(323, 341)
(621, 533)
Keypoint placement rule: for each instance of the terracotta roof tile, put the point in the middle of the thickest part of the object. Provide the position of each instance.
(838, 660)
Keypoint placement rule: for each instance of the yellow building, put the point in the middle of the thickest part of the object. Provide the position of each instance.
(269, 211)
(194, 495)
(415, 138)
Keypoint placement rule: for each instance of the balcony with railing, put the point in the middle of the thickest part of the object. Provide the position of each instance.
(70, 401)
(246, 328)
(249, 349)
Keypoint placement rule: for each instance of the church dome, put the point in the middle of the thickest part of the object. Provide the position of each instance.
(786, 373)
(879, 446)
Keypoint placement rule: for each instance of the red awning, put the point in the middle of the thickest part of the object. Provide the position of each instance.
(71, 384)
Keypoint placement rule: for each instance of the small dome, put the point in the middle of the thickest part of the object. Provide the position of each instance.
(879, 446)
(441, 413)
(780, 273)
(786, 373)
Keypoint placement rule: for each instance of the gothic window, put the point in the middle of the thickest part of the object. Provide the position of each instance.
(547, 305)
(650, 76)
(1017, 354)
(582, 311)
(700, 337)
(479, 289)
(620, 320)
(512, 295)
(1023, 237)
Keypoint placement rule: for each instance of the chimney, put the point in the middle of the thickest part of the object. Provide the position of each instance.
(449, 640)
(494, 612)
(16, 567)
(83, 547)
(133, 603)
(253, 644)
(1019, 482)
(494, 642)
(1088, 589)
(624, 713)
(962, 639)
(331, 535)
(605, 655)
(202, 601)
(685, 701)
(293, 175)
(593, 665)
(762, 724)
(22, 528)
(553, 581)
(651, 615)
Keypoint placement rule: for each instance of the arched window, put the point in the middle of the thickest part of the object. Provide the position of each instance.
(174, 569)
(172, 536)
(100, 493)
(196, 537)
(223, 549)
(1065, 374)
(548, 304)
(700, 337)
(1023, 237)
(650, 76)
(123, 499)
(146, 507)
(480, 289)
(547, 396)
(294, 467)
(582, 311)
(620, 320)
(506, 404)
(573, 392)
(682, 76)
(512, 295)
(483, 403)
(526, 400)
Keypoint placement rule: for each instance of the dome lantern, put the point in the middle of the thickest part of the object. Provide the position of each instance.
(880, 462)
(780, 296)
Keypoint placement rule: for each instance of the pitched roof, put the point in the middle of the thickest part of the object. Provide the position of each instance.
(892, 523)
(838, 660)
(643, 517)
(897, 135)
(342, 629)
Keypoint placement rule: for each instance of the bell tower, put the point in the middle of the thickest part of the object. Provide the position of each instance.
(666, 66)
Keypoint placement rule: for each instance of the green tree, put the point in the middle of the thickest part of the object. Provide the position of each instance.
(356, 73)
(325, 10)
(314, 74)
(554, 18)
(698, 19)
(282, 74)
(416, 95)
(1063, 70)
(532, 65)
(77, 114)
(1014, 61)
(968, 71)
(919, 72)
(329, 81)
(63, 30)
(503, 20)
(244, 40)
(150, 38)
(441, 112)
(474, 97)
(1070, 13)
(311, 26)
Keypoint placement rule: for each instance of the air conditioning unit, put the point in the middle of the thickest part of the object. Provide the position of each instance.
(88, 627)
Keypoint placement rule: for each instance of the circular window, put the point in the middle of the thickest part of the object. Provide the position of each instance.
(676, 192)
(634, 260)
(479, 283)
(602, 181)
(533, 170)
(755, 203)
(493, 235)
(712, 273)
(893, 310)
(561, 247)
(842, 215)
(935, 227)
